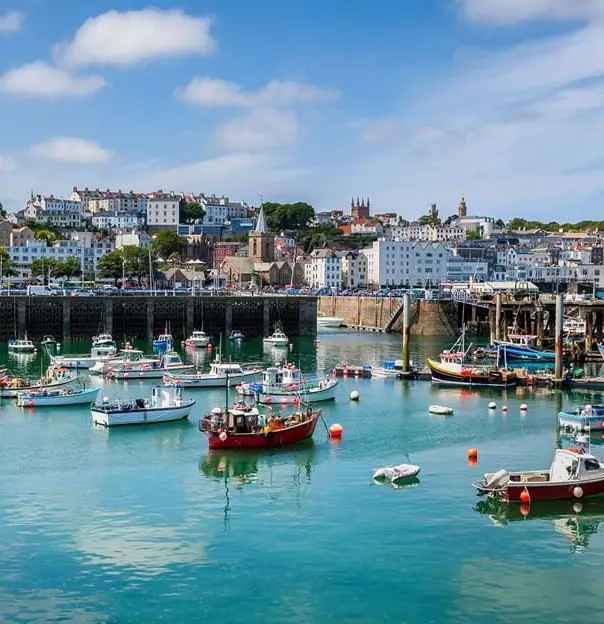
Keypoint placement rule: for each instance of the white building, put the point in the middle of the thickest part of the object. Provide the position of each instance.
(462, 270)
(483, 226)
(40, 208)
(115, 220)
(94, 201)
(163, 210)
(323, 269)
(354, 269)
(138, 239)
(406, 263)
(365, 227)
(219, 210)
(432, 233)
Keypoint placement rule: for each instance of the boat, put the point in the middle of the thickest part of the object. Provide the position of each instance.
(164, 342)
(99, 354)
(221, 374)
(573, 474)
(329, 321)
(287, 386)
(589, 418)
(21, 345)
(241, 429)
(396, 474)
(126, 358)
(390, 370)
(58, 397)
(452, 369)
(522, 347)
(277, 338)
(170, 362)
(103, 340)
(49, 341)
(236, 335)
(54, 377)
(165, 405)
(198, 339)
(441, 410)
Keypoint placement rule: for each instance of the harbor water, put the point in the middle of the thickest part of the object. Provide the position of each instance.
(143, 524)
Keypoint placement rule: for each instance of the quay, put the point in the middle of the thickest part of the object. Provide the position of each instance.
(80, 318)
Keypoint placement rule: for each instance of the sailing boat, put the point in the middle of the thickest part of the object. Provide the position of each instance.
(451, 369)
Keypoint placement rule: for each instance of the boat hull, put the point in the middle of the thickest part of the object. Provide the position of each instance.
(519, 352)
(141, 417)
(211, 381)
(293, 397)
(147, 373)
(280, 437)
(555, 491)
(578, 422)
(77, 398)
(11, 393)
(490, 379)
(197, 344)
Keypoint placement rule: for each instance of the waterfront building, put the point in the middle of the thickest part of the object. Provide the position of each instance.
(163, 210)
(354, 269)
(323, 269)
(461, 270)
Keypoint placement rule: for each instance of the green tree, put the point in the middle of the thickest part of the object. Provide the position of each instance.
(136, 262)
(111, 266)
(68, 268)
(167, 242)
(191, 211)
(2, 212)
(43, 267)
(297, 216)
(48, 235)
(472, 235)
(7, 263)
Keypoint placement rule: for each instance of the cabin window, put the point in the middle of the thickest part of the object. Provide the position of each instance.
(591, 464)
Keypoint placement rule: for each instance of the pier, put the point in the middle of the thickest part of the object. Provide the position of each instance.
(80, 318)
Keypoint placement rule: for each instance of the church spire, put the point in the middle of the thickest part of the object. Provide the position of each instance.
(261, 222)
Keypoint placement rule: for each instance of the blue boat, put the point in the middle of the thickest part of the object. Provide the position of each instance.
(522, 347)
(236, 335)
(164, 342)
(582, 420)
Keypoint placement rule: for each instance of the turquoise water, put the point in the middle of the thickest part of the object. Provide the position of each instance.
(144, 525)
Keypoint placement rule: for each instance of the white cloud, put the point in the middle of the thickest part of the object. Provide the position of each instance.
(506, 12)
(214, 92)
(39, 79)
(71, 150)
(261, 129)
(132, 37)
(11, 22)
(6, 164)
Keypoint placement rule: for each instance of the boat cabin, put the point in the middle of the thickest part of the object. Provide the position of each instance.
(449, 356)
(165, 338)
(222, 369)
(102, 339)
(197, 334)
(170, 359)
(524, 340)
(165, 396)
(287, 375)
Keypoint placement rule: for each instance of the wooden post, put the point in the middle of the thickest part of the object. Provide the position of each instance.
(406, 331)
(558, 336)
(498, 316)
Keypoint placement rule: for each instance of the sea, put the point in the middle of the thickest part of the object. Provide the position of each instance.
(144, 524)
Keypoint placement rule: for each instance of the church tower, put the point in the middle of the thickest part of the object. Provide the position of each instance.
(261, 242)
(462, 209)
(360, 209)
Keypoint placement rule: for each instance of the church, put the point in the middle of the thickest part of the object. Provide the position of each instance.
(260, 267)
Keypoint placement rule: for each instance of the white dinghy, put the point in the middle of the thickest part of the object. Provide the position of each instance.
(396, 474)
(441, 410)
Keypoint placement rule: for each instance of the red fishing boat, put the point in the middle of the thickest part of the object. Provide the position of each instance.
(242, 427)
(573, 474)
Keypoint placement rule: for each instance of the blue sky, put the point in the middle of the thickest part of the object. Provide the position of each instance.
(408, 102)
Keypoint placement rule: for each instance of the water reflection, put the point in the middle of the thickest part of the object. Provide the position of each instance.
(577, 521)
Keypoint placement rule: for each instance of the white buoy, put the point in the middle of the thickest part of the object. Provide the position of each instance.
(523, 407)
(223, 436)
(354, 395)
(492, 405)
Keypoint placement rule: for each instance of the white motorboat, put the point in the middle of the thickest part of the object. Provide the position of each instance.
(198, 339)
(102, 340)
(170, 362)
(62, 397)
(329, 321)
(55, 377)
(396, 474)
(100, 354)
(221, 374)
(277, 338)
(21, 345)
(441, 410)
(126, 358)
(50, 341)
(287, 386)
(165, 405)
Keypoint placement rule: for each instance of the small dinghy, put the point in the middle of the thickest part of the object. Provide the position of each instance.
(441, 410)
(396, 474)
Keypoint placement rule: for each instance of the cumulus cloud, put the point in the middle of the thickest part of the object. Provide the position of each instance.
(40, 79)
(214, 92)
(11, 22)
(71, 150)
(126, 38)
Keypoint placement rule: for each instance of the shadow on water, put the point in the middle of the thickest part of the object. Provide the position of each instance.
(576, 521)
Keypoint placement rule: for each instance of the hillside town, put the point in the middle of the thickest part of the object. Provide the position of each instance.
(187, 241)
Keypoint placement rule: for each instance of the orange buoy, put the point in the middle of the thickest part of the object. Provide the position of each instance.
(336, 430)
(525, 497)
(525, 509)
(473, 453)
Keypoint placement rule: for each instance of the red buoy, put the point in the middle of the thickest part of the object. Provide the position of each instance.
(525, 497)
(336, 430)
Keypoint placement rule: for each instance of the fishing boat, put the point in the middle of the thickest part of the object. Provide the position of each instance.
(164, 342)
(586, 419)
(573, 474)
(49, 341)
(198, 339)
(126, 358)
(396, 474)
(452, 369)
(522, 347)
(58, 397)
(165, 405)
(98, 354)
(170, 362)
(103, 340)
(54, 377)
(277, 338)
(440, 410)
(329, 321)
(21, 345)
(236, 335)
(245, 428)
(221, 375)
(287, 386)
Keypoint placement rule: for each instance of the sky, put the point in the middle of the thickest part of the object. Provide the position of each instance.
(406, 102)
